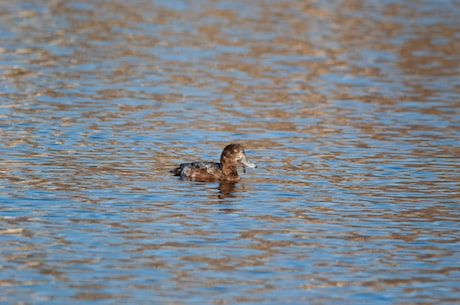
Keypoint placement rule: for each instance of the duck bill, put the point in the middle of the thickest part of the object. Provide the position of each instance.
(244, 161)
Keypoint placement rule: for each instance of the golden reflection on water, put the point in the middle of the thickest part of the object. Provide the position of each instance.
(350, 108)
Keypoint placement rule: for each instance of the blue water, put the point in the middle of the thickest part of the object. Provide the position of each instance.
(349, 109)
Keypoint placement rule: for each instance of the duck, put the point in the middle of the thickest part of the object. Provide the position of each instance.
(226, 170)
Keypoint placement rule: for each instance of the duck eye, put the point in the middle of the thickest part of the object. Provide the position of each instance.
(235, 150)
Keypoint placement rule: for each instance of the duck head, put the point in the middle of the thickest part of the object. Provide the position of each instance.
(233, 155)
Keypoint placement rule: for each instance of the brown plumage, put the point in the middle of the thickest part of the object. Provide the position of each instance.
(232, 156)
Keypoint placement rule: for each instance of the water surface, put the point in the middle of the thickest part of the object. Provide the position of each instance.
(349, 108)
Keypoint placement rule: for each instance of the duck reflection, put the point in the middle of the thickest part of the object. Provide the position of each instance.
(227, 190)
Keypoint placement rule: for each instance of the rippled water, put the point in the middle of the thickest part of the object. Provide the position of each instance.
(350, 109)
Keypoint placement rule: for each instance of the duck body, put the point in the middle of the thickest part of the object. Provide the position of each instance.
(232, 156)
(199, 171)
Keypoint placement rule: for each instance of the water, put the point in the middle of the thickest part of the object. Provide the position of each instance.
(349, 108)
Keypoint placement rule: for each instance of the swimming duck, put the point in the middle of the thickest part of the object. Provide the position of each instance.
(231, 156)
